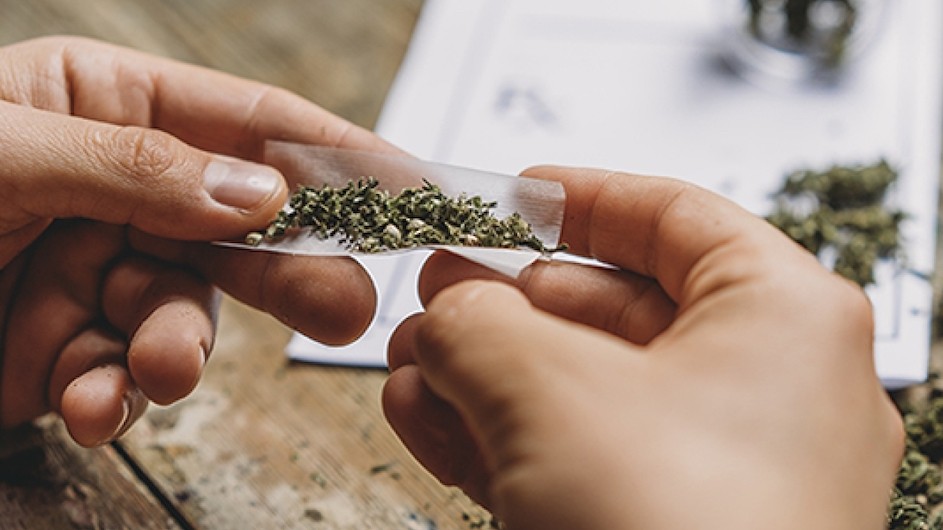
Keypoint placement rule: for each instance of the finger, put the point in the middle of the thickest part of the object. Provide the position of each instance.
(53, 299)
(401, 349)
(60, 166)
(205, 108)
(434, 433)
(620, 302)
(669, 230)
(330, 299)
(90, 348)
(482, 348)
(91, 389)
(101, 404)
(170, 317)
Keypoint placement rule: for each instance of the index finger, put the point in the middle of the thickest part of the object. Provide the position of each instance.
(208, 109)
(669, 230)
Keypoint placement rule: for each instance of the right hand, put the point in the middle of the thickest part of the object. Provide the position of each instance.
(720, 379)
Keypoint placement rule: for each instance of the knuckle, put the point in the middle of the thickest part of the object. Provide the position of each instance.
(815, 300)
(841, 310)
(140, 153)
(894, 429)
(853, 305)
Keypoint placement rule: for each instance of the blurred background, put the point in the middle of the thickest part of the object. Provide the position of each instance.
(341, 54)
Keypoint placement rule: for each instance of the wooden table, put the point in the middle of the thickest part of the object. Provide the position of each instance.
(262, 443)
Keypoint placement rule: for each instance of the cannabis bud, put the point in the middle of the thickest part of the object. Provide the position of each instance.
(842, 210)
(819, 29)
(366, 218)
(918, 491)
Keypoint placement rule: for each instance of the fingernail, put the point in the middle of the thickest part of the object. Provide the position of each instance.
(240, 184)
(123, 424)
(199, 372)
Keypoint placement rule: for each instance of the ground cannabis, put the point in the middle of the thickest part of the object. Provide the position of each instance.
(366, 218)
(917, 498)
(842, 213)
(819, 29)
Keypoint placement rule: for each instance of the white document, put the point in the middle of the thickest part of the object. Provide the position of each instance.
(501, 85)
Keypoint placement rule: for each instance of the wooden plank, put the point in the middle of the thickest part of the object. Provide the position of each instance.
(46, 481)
(264, 443)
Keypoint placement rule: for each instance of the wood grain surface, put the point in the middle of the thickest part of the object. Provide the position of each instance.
(261, 443)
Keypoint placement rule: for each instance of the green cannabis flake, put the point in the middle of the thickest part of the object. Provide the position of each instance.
(817, 28)
(842, 210)
(917, 497)
(366, 218)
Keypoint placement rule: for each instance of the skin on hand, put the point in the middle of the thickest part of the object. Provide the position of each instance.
(720, 379)
(112, 159)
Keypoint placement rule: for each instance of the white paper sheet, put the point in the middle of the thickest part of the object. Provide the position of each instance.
(627, 84)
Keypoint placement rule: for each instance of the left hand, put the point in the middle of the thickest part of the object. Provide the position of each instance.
(112, 158)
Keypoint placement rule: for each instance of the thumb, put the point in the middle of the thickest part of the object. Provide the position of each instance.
(486, 351)
(59, 166)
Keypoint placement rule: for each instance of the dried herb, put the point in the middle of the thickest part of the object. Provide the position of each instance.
(478, 521)
(842, 212)
(819, 29)
(905, 513)
(924, 429)
(918, 493)
(365, 218)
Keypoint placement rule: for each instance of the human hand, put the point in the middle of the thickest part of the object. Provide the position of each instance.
(720, 379)
(110, 157)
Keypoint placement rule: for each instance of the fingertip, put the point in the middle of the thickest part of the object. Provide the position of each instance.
(170, 316)
(400, 348)
(168, 352)
(100, 405)
(400, 391)
(166, 374)
(330, 299)
(92, 348)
